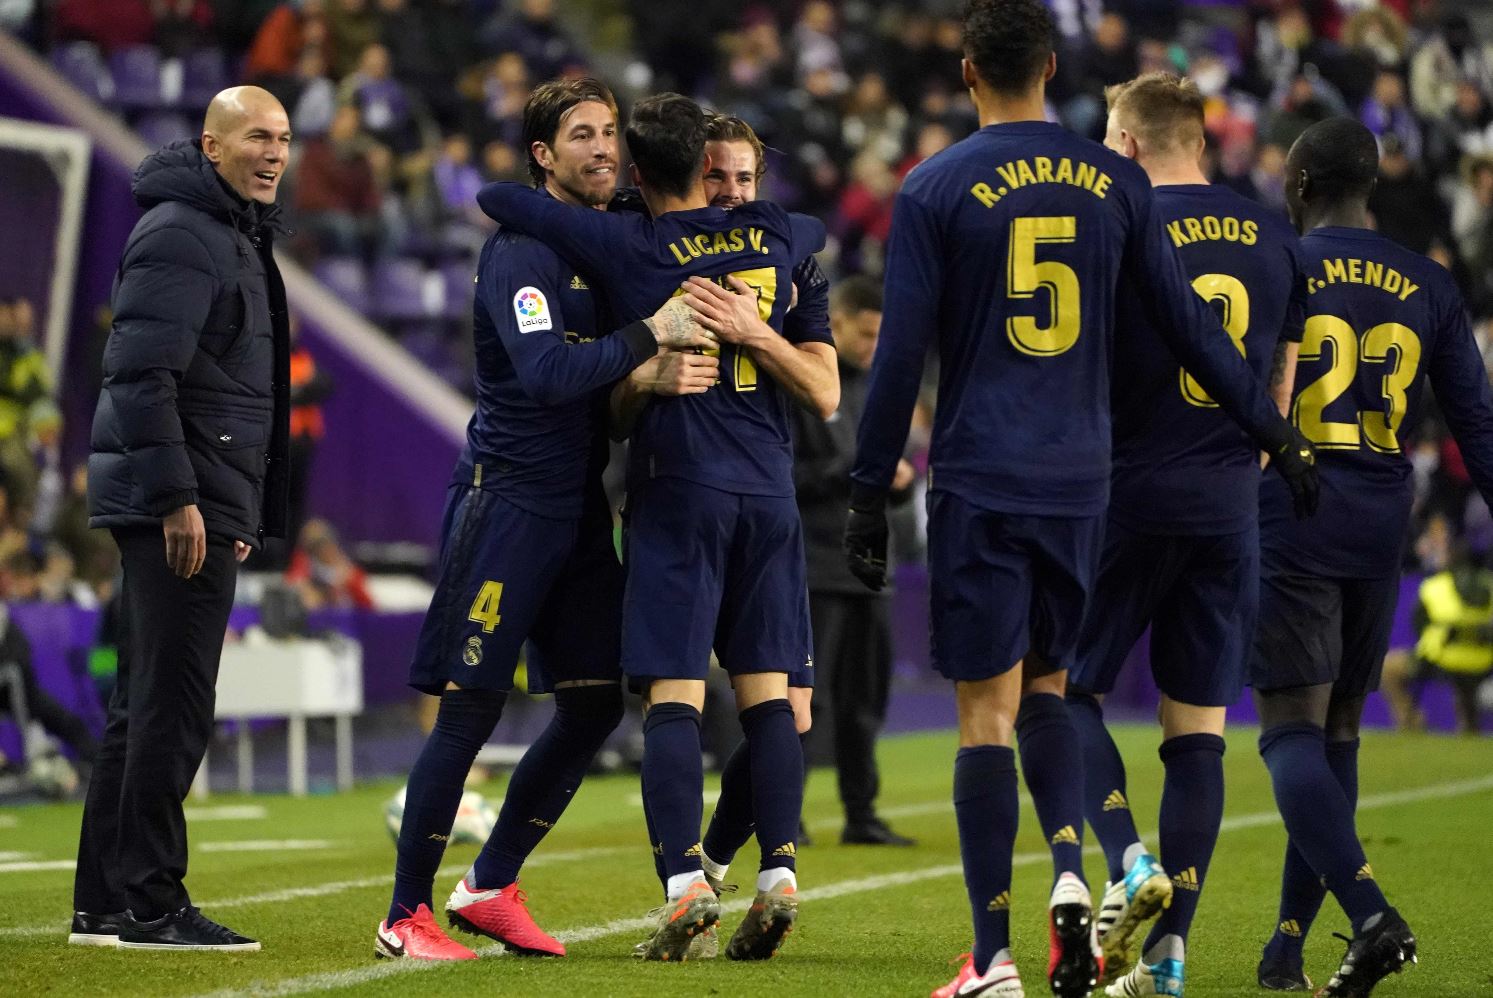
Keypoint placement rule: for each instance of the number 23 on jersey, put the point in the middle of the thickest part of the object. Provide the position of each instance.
(1392, 348)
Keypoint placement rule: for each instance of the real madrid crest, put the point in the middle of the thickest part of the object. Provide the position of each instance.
(472, 653)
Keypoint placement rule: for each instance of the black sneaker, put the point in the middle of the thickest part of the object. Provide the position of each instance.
(187, 929)
(1382, 947)
(97, 930)
(872, 832)
(1280, 974)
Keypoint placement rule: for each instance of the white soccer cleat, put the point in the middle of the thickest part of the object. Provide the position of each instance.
(1128, 905)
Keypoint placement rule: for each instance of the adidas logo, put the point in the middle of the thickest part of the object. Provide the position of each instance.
(1290, 927)
(1188, 879)
(1066, 834)
(786, 849)
(1365, 872)
(576, 284)
(658, 848)
(541, 823)
(1116, 802)
(694, 850)
(1001, 902)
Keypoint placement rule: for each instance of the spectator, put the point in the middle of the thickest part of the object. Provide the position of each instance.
(492, 100)
(313, 95)
(851, 626)
(181, 25)
(24, 376)
(1472, 226)
(873, 120)
(337, 196)
(1387, 112)
(1404, 204)
(283, 38)
(815, 45)
(94, 553)
(109, 24)
(531, 31)
(428, 44)
(1451, 56)
(352, 26)
(309, 388)
(323, 574)
(385, 107)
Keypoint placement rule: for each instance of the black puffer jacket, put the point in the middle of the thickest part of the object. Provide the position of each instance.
(195, 406)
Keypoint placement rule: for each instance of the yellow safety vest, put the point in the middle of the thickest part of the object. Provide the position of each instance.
(1450, 640)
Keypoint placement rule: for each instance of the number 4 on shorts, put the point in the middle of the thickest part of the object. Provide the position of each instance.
(485, 606)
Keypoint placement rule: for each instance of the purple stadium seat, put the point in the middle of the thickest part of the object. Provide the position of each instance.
(458, 276)
(137, 77)
(401, 292)
(345, 278)
(83, 67)
(160, 128)
(204, 73)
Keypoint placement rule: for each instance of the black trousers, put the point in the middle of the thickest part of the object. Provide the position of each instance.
(132, 852)
(853, 674)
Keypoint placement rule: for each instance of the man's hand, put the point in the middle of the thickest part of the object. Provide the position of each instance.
(904, 475)
(1295, 460)
(672, 373)
(186, 541)
(731, 315)
(675, 327)
(240, 551)
(866, 537)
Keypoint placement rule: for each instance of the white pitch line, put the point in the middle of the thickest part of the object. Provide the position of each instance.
(228, 812)
(336, 979)
(32, 867)
(267, 845)
(333, 887)
(9, 821)
(11, 857)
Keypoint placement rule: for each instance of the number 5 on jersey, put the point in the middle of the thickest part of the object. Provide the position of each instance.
(485, 607)
(1026, 276)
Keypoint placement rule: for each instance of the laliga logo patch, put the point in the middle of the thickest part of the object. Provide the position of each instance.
(531, 310)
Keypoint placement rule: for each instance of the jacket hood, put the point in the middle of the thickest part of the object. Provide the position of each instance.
(180, 172)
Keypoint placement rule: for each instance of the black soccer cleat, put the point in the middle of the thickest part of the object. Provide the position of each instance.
(1383, 947)
(1282, 975)
(187, 929)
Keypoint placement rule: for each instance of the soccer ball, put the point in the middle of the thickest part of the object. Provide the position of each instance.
(475, 818)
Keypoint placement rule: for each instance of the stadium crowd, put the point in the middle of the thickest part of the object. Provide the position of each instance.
(403, 108)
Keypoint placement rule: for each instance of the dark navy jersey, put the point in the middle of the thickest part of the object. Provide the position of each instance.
(1180, 465)
(540, 361)
(1012, 248)
(735, 437)
(808, 321)
(1381, 320)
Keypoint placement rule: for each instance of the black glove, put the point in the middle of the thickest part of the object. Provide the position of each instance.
(1295, 460)
(866, 536)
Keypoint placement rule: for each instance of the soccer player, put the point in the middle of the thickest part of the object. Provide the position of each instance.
(526, 548)
(1181, 543)
(1379, 317)
(714, 552)
(1011, 246)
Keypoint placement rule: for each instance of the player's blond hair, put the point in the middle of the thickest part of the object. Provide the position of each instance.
(1162, 110)
(729, 128)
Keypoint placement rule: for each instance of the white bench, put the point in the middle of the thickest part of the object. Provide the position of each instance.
(294, 679)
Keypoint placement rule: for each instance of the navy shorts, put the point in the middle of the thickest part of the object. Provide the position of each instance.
(1315, 631)
(1200, 597)
(712, 569)
(508, 576)
(1005, 585)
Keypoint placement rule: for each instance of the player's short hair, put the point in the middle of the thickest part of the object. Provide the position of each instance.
(666, 137)
(729, 128)
(1339, 156)
(547, 107)
(1008, 41)
(856, 293)
(1163, 110)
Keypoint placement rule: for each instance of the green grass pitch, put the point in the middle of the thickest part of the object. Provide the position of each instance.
(874, 921)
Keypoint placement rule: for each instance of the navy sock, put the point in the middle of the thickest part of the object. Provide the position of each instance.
(777, 769)
(1191, 811)
(463, 723)
(1106, 805)
(546, 779)
(1301, 892)
(731, 824)
(655, 845)
(986, 809)
(674, 782)
(1052, 762)
(1319, 817)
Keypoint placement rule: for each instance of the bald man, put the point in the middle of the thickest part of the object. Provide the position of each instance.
(188, 471)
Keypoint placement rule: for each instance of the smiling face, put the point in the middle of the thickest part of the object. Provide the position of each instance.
(581, 162)
(732, 178)
(247, 139)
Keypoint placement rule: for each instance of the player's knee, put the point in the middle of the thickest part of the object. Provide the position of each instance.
(1083, 700)
(1343, 718)
(803, 715)
(595, 710)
